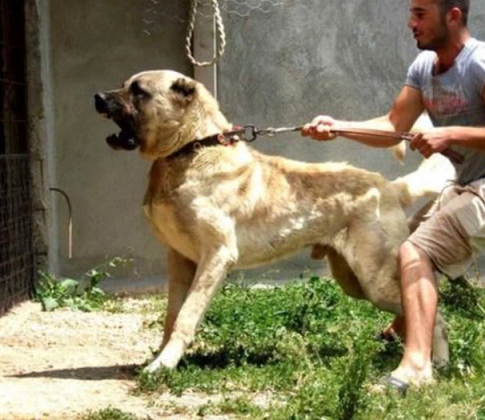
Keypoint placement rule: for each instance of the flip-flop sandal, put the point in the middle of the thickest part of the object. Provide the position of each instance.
(389, 383)
(396, 384)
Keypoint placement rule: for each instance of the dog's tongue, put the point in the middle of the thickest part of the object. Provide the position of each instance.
(124, 140)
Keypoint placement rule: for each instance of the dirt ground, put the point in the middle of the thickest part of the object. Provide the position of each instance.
(57, 365)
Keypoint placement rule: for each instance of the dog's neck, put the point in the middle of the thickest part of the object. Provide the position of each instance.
(209, 128)
(196, 124)
(204, 121)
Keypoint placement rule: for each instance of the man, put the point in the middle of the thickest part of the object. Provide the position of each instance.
(447, 80)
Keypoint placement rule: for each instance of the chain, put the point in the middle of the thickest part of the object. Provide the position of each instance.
(271, 131)
(250, 132)
(220, 30)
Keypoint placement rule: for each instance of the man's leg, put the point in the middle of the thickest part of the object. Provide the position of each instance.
(397, 326)
(419, 299)
(445, 242)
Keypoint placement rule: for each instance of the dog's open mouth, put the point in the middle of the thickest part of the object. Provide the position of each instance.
(109, 108)
(126, 138)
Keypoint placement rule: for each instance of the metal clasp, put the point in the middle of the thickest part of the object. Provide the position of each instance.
(250, 133)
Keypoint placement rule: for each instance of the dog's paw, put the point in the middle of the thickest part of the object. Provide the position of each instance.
(153, 367)
(151, 381)
(168, 358)
(441, 359)
(159, 364)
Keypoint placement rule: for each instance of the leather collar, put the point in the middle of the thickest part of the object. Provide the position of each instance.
(221, 139)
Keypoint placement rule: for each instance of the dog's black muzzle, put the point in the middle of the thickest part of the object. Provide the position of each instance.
(109, 107)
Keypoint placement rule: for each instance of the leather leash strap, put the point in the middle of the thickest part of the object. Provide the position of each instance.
(454, 156)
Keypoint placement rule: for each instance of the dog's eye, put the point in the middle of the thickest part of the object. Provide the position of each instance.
(137, 90)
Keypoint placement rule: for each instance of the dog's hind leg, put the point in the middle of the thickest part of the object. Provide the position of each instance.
(181, 272)
(340, 269)
(441, 353)
(210, 274)
(380, 281)
(370, 254)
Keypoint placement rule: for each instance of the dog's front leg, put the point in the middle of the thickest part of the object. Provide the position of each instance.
(211, 272)
(181, 273)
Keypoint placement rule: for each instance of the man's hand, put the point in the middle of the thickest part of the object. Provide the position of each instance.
(435, 141)
(319, 128)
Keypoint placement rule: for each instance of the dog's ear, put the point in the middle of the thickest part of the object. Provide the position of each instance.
(185, 89)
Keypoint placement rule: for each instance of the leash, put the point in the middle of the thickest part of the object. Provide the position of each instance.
(250, 133)
(454, 156)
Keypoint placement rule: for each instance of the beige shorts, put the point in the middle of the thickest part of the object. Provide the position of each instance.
(454, 234)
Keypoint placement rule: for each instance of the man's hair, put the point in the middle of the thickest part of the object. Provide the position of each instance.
(463, 5)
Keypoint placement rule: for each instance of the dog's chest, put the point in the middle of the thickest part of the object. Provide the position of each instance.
(169, 229)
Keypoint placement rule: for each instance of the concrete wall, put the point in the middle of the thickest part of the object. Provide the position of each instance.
(96, 45)
(344, 58)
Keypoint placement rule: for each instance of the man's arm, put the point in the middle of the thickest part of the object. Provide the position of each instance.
(406, 109)
(440, 138)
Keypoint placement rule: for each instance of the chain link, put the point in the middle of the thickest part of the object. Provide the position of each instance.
(272, 131)
(219, 29)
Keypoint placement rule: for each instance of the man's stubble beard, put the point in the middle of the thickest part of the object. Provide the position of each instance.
(439, 40)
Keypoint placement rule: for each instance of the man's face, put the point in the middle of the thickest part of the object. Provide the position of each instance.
(428, 25)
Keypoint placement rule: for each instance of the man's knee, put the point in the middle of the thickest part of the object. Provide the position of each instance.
(408, 251)
(411, 254)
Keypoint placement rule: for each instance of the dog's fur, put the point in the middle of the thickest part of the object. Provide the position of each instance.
(229, 206)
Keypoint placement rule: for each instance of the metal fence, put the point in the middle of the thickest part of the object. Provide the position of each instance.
(16, 253)
(16, 246)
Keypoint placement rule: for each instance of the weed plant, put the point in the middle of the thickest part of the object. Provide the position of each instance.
(108, 413)
(84, 295)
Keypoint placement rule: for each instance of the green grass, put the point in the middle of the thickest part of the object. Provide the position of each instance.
(311, 351)
(109, 413)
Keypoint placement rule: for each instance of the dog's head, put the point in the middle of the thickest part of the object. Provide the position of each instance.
(158, 111)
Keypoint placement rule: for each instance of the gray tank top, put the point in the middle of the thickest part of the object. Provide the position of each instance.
(455, 97)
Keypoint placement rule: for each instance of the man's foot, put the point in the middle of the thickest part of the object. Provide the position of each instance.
(401, 379)
(389, 383)
(395, 384)
(416, 378)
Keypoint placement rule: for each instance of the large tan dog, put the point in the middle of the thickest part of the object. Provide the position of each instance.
(219, 205)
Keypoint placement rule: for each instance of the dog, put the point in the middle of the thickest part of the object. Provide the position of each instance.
(217, 205)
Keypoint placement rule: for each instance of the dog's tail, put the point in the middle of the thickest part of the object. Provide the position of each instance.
(423, 123)
(429, 180)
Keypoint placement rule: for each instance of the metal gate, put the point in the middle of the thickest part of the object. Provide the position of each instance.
(16, 247)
